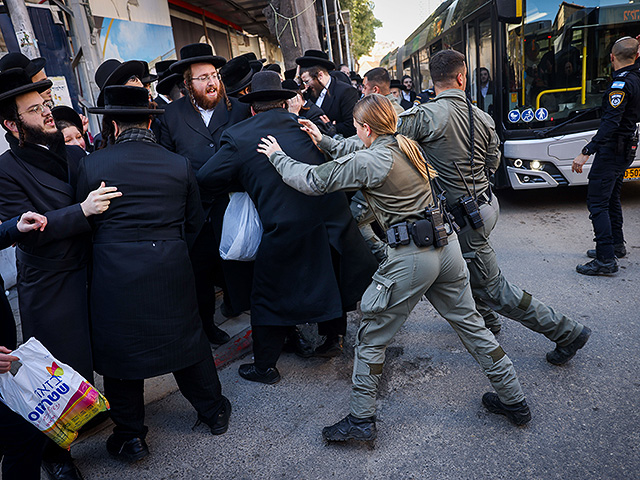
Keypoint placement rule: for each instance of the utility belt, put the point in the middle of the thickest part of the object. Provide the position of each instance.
(467, 210)
(426, 232)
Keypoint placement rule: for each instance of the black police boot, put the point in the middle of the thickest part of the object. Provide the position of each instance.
(597, 267)
(296, 343)
(65, 470)
(215, 335)
(332, 347)
(518, 413)
(130, 450)
(250, 372)
(562, 355)
(619, 250)
(219, 424)
(351, 427)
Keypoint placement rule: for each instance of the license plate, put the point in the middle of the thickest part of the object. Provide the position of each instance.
(632, 173)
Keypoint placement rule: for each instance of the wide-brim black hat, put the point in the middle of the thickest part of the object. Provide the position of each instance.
(18, 60)
(290, 84)
(16, 81)
(236, 74)
(114, 72)
(255, 62)
(124, 100)
(165, 84)
(67, 114)
(266, 86)
(290, 74)
(197, 53)
(395, 83)
(315, 58)
(162, 68)
(147, 77)
(274, 67)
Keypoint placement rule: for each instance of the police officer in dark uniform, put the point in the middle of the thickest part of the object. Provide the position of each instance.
(615, 146)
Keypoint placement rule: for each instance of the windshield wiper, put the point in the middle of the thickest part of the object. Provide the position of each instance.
(546, 131)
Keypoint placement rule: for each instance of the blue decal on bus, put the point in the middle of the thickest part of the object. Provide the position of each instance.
(514, 116)
(542, 114)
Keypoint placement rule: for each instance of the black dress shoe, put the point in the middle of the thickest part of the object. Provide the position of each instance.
(332, 347)
(62, 470)
(296, 343)
(249, 371)
(220, 422)
(228, 312)
(562, 355)
(351, 428)
(216, 335)
(518, 413)
(130, 450)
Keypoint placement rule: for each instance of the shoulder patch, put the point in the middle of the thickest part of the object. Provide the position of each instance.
(618, 84)
(345, 159)
(615, 98)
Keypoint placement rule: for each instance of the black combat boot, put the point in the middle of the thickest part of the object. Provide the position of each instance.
(562, 355)
(598, 267)
(216, 335)
(619, 250)
(296, 343)
(351, 427)
(518, 413)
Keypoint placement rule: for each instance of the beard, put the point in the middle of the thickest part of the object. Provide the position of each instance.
(205, 102)
(38, 136)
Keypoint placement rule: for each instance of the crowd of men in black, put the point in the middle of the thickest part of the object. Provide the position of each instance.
(126, 287)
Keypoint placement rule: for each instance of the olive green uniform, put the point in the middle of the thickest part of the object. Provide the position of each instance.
(396, 192)
(442, 128)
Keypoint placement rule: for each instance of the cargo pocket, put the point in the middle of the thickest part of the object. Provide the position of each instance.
(478, 271)
(377, 296)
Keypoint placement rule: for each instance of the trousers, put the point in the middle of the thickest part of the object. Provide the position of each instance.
(198, 383)
(399, 283)
(492, 291)
(603, 201)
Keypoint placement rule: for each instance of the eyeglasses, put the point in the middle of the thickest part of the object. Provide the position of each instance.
(37, 109)
(307, 82)
(206, 78)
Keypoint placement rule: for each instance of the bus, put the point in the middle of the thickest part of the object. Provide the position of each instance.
(539, 69)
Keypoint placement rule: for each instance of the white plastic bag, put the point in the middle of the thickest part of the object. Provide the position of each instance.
(241, 229)
(49, 394)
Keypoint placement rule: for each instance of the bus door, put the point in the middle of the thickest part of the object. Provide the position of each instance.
(481, 74)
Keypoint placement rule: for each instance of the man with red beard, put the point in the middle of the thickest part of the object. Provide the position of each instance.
(192, 127)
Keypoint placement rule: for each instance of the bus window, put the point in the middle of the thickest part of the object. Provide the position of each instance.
(485, 69)
(472, 62)
(425, 76)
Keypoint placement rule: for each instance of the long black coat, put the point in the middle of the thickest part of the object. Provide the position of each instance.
(338, 104)
(294, 278)
(182, 131)
(51, 265)
(144, 313)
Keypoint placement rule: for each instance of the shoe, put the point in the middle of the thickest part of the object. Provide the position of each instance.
(227, 312)
(220, 423)
(518, 413)
(250, 372)
(332, 347)
(619, 250)
(597, 267)
(562, 355)
(216, 335)
(351, 427)
(130, 450)
(296, 343)
(62, 470)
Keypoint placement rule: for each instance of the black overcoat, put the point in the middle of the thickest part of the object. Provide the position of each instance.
(182, 131)
(144, 312)
(51, 265)
(294, 278)
(338, 104)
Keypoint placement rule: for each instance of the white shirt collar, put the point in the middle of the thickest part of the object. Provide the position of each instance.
(205, 114)
(323, 93)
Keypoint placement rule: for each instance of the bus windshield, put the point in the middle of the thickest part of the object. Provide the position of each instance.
(557, 63)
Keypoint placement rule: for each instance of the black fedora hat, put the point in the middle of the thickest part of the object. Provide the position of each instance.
(256, 64)
(167, 82)
(114, 72)
(16, 81)
(147, 77)
(162, 68)
(197, 53)
(17, 59)
(290, 84)
(124, 100)
(315, 58)
(266, 86)
(67, 114)
(290, 74)
(274, 67)
(236, 74)
(395, 83)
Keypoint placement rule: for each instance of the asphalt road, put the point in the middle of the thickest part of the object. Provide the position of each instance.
(586, 421)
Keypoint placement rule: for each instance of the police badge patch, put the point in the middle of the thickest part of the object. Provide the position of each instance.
(616, 98)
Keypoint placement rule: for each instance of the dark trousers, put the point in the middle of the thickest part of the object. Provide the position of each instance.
(7, 323)
(198, 383)
(603, 201)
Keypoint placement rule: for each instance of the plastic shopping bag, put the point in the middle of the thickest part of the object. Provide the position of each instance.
(241, 229)
(49, 394)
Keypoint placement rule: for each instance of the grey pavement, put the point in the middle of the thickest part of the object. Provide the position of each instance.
(586, 421)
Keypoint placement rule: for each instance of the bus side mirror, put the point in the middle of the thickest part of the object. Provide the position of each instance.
(510, 11)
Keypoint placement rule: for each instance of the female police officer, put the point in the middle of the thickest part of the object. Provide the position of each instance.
(393, 176)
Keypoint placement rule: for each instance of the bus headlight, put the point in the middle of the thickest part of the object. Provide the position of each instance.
(535, 165)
